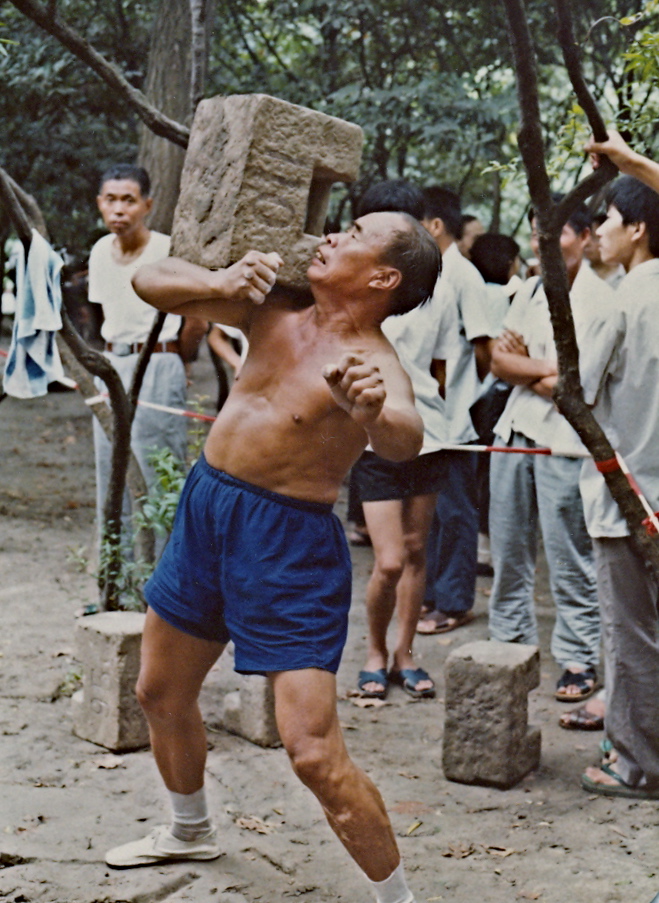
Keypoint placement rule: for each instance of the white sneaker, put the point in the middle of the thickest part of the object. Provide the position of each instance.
(161, 846)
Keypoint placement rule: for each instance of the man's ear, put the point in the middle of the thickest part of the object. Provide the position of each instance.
(435, 226)
(386, 278)
(640, 234)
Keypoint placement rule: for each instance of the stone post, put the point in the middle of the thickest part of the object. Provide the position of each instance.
(257, 174)
(250, 711)
(106, 710)
(487, 739)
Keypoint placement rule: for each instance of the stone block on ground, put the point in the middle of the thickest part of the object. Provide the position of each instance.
(250, 711)
(487, 738)
(258, 173)
(106, 710)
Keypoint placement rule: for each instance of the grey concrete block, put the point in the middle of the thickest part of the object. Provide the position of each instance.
(487, 739)
(250, 711)
(258, 173)
(106, 711)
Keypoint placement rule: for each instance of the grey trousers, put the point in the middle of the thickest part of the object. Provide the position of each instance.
(164, 383)
(527, 491)
(629, 597)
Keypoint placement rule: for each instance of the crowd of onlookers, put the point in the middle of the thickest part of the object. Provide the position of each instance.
(482, 360)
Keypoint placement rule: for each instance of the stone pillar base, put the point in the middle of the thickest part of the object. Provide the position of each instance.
(250, 712)
(487, 739)
(106, 710)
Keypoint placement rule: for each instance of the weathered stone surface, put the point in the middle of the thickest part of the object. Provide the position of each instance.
(258, 173)
(487, 739)
(250, 711)
(106, 711)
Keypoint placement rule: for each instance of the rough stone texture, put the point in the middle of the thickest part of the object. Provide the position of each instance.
(487, 739)
(106, 711)
(250, 712)
(258, 173)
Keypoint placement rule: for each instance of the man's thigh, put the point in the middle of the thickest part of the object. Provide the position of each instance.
(174, 663)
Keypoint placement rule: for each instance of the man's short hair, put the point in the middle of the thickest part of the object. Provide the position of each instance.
(636, 203)
(442, 203)
(579, 219)
(127, 171)
(392, 195)
(493, 255)
(414, 253)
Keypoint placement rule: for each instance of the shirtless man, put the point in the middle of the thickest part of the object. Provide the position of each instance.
(256, 553)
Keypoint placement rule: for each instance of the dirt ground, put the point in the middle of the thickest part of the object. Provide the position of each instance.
(64, 801)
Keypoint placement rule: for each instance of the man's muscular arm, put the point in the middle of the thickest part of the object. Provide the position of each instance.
(382, 404)
(227, 295)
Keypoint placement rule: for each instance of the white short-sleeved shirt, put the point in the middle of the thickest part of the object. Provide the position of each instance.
(420, 336)
(126, 317)
(620, 376)
(461, 287)
(538, 418)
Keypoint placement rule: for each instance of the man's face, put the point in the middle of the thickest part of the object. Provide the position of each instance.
(122, 206)
(470, 233)
(616, 245)
(572, 245)
(348, 260)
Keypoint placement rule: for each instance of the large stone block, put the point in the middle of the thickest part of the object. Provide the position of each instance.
(258, 173)
(487, 739)
(106, 711)
(250, 711)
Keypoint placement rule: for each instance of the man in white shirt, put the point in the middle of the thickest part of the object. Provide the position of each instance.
(529, 488)
(620, 375)
(453, 543)
(124, 203)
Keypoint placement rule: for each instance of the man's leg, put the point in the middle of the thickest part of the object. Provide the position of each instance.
(453, 548)
(417, 514)
(576, 635)
(513, 535)
(630, 630)
(385, 527)
(173, 667)
(305, 704)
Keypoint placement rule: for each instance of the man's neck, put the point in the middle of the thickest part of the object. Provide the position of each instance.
(640, 255)
(351, 317)
(128, 247)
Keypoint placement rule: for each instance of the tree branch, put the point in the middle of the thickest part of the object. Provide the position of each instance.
(568, 394)
(46, 18)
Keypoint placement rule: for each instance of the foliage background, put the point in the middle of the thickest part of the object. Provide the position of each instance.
(431, 84)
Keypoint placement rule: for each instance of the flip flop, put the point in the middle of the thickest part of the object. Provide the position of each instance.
(580, 680)
(619, 789)
(437, 622)
(373, 677)
(408, 678)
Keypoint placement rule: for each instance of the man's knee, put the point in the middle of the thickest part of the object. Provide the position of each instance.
(390, 565)
(317, 764)
(161, 698)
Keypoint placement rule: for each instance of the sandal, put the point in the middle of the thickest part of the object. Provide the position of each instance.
(620, 788)
(373, 677)
(581, 720)
(438, 622)
(585, 682)
(409, 679)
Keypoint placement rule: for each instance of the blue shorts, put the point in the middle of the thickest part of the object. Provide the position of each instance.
(269, 572)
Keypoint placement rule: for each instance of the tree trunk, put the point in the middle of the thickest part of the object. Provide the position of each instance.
(168, 86)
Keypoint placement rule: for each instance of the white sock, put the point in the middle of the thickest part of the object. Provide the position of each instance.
(393, 889)
(189, 815)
